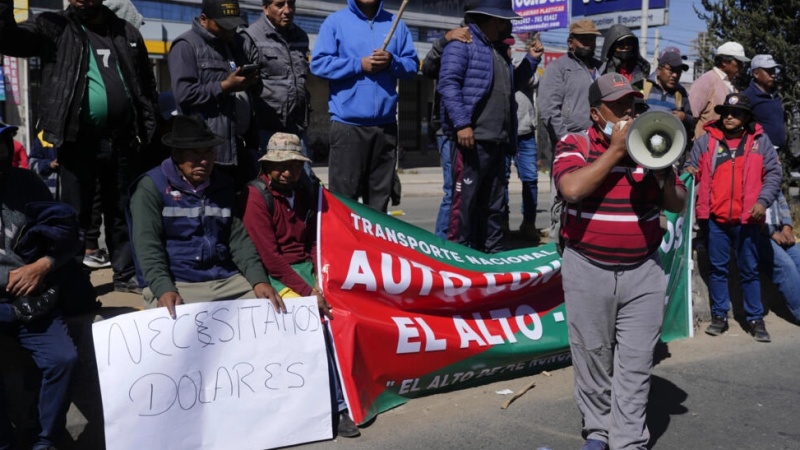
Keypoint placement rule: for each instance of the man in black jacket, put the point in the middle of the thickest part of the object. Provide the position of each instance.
(97, 105)
(28, 293)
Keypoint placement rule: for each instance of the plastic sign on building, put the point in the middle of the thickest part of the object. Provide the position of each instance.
(540, 15)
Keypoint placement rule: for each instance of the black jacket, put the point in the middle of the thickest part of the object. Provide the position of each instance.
(59, 40)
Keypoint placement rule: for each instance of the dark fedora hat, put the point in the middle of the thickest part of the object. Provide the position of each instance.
(734, 101)
(495, 8)
(190, 132)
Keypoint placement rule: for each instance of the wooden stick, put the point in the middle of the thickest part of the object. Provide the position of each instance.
(518, 394)
(394, 25)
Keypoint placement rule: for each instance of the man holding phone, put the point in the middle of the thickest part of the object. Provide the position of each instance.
(216, 89)
(280, 49)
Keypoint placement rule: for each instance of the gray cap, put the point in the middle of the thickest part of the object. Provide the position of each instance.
(763, 62)
(610, 88)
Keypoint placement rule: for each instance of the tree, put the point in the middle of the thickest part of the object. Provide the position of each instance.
(761, 26)
(764, 27)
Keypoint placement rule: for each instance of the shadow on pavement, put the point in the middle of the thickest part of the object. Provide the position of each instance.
(666, 400)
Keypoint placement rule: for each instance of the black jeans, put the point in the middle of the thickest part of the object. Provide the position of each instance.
(476, 213)
(362, 162)
(105, 162)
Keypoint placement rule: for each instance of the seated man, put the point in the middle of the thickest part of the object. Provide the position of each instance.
(189, 246)
(281, 217)
(27, 300)
(779, 254)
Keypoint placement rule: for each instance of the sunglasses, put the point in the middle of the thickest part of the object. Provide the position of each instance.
(735, 113)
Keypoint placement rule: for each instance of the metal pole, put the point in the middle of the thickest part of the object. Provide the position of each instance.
(643, 38)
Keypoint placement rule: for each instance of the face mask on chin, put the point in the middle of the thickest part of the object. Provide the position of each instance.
(609, 128)
(285, 189)
(584, 54)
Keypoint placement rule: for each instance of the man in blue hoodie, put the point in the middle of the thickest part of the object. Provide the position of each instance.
(363, 97)
(479, 115)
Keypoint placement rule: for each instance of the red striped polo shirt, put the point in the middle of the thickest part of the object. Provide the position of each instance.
(619, 222)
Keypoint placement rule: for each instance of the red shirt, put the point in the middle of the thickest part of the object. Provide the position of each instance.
(619, 222)
(20, 158)
(288, 236)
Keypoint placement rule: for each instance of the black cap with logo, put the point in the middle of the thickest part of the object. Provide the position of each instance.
(225, 12)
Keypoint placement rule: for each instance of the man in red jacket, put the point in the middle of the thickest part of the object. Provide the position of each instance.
(280, 216)
(738, 176)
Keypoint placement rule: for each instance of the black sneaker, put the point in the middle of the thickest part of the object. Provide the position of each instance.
(33, 306)
(347, 428)
(97, 259)
(759, 331)
(130, 286)
(718, 325)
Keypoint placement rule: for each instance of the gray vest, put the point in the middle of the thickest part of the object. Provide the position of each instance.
(214, 60)
(281, 101)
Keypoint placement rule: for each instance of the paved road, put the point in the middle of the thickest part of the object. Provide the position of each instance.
(728, 392)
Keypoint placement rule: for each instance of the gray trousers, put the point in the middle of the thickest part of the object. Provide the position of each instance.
(233, 288)
(614, 317)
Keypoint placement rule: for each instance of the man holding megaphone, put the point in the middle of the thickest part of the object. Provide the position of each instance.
(612, 277)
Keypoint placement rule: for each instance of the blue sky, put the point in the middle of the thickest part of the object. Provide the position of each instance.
(683, 27)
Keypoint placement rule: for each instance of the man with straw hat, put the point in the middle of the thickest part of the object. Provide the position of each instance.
(281, 218)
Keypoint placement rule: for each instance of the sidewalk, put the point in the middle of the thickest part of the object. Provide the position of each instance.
(427, 181)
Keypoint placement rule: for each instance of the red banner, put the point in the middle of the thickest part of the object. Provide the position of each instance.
(415, 314)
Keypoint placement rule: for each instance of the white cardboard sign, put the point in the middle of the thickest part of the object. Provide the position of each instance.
(223, 375)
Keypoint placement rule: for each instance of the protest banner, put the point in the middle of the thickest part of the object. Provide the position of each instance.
(416, 315)
(222, 375)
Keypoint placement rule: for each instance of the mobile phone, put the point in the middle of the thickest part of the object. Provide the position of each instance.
(248, 69)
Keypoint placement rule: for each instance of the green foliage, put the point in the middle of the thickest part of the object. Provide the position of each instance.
(761, 26)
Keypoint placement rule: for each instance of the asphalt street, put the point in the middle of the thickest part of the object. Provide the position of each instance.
(728, 392)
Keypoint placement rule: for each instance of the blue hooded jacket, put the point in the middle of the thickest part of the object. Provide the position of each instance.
(356, 97)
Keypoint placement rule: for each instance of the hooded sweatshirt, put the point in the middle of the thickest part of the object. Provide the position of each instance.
(640, 70)
(346, 36)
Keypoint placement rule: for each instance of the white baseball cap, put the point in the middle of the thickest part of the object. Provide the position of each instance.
(763, 62)
(734, 50)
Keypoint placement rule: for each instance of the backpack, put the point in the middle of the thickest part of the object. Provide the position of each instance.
(261, 186)
(648, 86)
(558, 207)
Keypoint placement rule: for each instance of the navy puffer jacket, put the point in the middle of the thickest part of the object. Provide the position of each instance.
(465, 78)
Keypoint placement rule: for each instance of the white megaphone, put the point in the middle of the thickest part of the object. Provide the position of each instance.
(656, 140)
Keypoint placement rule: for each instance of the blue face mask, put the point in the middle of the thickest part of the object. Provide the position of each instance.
(609, 128)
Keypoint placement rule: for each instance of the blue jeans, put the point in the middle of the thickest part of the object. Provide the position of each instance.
(745, 240)
(55, 355)
(443, 219)
(783, 267)
(528, 173)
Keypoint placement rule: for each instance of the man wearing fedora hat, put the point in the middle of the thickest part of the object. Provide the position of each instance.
(475, 81)
(614, 284)
(739, 176)
(710, 89)
(280, 215)
(188, 244)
